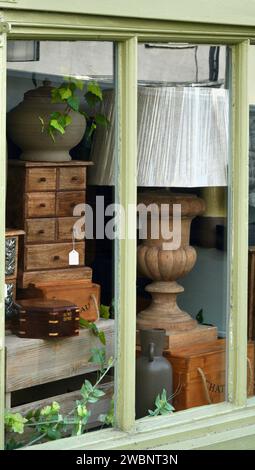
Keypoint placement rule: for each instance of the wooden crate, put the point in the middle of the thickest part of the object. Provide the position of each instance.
(199, 374)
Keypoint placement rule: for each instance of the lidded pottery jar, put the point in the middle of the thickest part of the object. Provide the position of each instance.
(153, 371)
(25, 129)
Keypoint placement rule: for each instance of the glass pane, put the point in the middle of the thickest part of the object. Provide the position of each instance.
(182, 255)
(59, 262)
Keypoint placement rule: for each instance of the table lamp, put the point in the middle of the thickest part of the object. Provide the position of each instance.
(182, 143)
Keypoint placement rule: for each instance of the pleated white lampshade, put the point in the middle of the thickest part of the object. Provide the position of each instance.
(182, 138)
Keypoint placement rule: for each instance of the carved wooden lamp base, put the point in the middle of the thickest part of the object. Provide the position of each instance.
(163, 312)
(165, 265)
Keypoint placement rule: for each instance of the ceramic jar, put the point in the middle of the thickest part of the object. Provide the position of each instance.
(153, 371)
(25, 129)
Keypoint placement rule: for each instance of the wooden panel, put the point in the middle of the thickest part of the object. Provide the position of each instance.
(51, 256)
(72, 178)
(41, 179)
(66, 202)
(32, 362)
(65, 228)
(40, 204)
(33, 277)
(40, 230)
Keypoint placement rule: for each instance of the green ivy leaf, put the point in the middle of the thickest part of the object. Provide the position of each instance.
(55, 115)
(92, 399)
(73, 102)
(102, 120)
(15, 422)
(104, 311)
(55, 124)
(94, 88)
(78, 83)
(98, 393)
(68, 119)
(65, 93)
(101, 337)
(91, 99)
(88, 386)
(11, 444)
(84, 323)
(109, 418)
(55, 96)
(53, 434)
(98, 356)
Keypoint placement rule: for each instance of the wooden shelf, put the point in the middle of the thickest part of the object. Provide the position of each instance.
(31, 362)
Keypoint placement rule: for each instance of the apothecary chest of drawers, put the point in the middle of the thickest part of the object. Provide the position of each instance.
(40, 200)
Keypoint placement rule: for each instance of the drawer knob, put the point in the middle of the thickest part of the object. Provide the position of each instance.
(56, 258)
(74, 178)
(41, 232)
(42, 204)
(42, 179)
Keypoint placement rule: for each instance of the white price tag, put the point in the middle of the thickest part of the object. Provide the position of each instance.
(73, 257)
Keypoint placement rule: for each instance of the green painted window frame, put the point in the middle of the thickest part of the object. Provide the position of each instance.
(186, 429)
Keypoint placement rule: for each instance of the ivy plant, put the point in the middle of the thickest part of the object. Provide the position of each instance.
(94, 329)
(162, 405)
(69, 93)
(48, 423)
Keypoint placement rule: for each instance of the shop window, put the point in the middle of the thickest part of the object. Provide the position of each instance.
(182, 225)
(59, 262)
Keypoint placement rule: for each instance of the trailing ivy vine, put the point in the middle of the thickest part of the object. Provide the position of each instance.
(69, 94)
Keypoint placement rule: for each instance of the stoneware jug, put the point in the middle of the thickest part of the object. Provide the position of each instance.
(153, 371)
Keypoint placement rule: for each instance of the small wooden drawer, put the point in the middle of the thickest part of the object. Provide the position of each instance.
(41, 179)
(40, 230)
(52, 256)
(40, 205)
(66, 202)
(65, 227)
(72, 178)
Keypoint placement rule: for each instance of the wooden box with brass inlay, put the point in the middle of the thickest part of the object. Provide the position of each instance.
(81, 292)
(45, 319)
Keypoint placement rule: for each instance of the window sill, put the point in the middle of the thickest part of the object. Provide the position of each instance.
(221, 423)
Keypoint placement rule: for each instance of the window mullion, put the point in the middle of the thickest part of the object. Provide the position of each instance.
(125, 261)
(237, 370)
